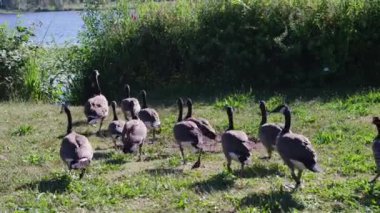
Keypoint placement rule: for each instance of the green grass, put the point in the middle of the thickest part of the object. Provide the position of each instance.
(34, 178)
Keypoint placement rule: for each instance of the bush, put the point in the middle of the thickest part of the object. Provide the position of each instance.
(28, 72)
(232, 44)
(14, 55)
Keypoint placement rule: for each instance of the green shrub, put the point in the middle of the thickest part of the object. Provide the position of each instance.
(231, 44)
(14, 55)
(28, 72)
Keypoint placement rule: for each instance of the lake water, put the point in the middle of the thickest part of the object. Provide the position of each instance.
(49, 27)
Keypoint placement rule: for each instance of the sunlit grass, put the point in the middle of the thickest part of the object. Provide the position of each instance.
(34, 178)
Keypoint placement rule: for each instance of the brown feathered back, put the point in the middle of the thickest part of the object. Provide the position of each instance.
(96, 108)
(76, 151)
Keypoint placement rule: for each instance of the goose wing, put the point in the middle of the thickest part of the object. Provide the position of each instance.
(237, 142)
(376, 152)
(96, 108)
(297, 147)
(74, 148)
(204, 126)
(268, 134)
(150, 117)
(84, 148)
(134, 131)
(126, 105)
(187, 131)
(116, 127)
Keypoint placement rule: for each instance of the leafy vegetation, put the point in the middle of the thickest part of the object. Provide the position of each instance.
(29, 72)
(211, 45)
(33, 177)
(201, 47)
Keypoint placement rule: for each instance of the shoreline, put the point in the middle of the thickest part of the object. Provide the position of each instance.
(74, 7)
(8, 12)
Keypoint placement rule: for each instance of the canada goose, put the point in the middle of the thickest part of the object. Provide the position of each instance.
(134, 134)
(126, 103)
(268, 132)
(187, 133)
(115, 128)
(149, 116)
(202, 123)
(96, 108)
(295, 150)
(376, 147)
(236, 145)
(76, 151)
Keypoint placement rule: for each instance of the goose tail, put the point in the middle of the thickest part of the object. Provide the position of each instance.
(81, 164)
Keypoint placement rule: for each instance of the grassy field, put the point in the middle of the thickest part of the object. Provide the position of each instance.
(34, 178)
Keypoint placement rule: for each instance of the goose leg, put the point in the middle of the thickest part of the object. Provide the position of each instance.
(375, 178)
(241, 170)
(295, 178)
(298, 181)
(198, 163)
(269, 154)
(82, 173)
(140, 151)
(229, 164)
(100, 127)
(114, 143)
(182, 154)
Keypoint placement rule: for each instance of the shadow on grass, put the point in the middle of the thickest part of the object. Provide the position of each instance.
(217, 182)
(370, 196)
(157, 157)
(163, 171)
(57, 184)
(98, 155)
(258, 171)
(274, 201)
(88, 134)
(80, 123)
(103, 134)
(117, 161)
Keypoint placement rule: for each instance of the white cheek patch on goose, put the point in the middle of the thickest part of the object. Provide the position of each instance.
(282, 110)
(299, 165)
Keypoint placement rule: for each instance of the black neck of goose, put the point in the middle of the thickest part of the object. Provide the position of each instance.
(287, 121)
(189, 111)
(128, 91)
(263, 115)
(378, 131)
(97, 87)
(180, 109)
(144, 105)
(69, 121)
(230, 120)
(133, 114)
(115, 118)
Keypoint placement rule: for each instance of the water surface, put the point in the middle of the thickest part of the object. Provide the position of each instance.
(49, 27)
